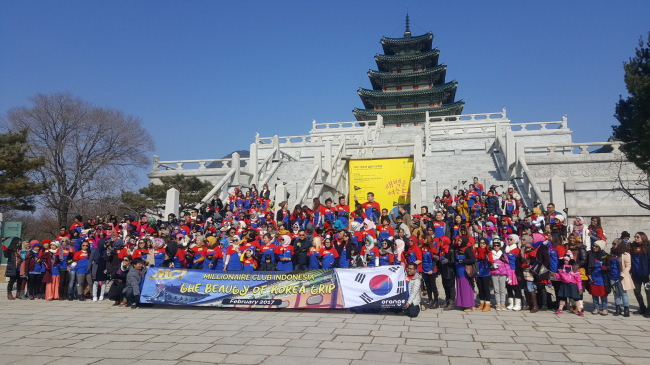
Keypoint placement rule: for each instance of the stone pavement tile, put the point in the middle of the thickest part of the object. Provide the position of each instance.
(630, 352)
(76, 361)
(388, 340)
(165, 355)
(224, 349)
(55, 351)
(378, 347)
(596, 350)
(454, 337)
(261, 350)
(351, 331)
(31, 360)
(21, 350)
(386, 327)
(304, 343)
(288, 327)
(593, 358)
(382, 356)
(632, 360)
(502, 354)
(421, 335)
(418, 358)
(513, 362)
(185, 347)
(318, 336)
(360, 338)
(340, 345)
(460, 352)
(505, 346)
(569, 342)
(289, 335)
(153, 346)
(573, 336)
(546, 356)
(387, 333)
(244, 359)
(199, 339)
(108, 354)
(465, 345)
(468, 361)
(487, 338)
(229, 341)
(118, 345)
(480, 326)
(603, 337)
(362, 326)
(188, 332)
(299, 360)
(166, 338)
(369, 362)
(529, 333)
(25, 342)
(320, 330)
(537, 340)
(266, 341)
(545, 348)
(425, 343)
(423, 330)
(305, 352)
(342, 325)
(341, 354)
(139, 362)
(205, 357)
(461, 331)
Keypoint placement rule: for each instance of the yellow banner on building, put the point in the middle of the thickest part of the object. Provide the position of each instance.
(389, 179)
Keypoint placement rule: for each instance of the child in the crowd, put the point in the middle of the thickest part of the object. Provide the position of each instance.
(571, 287)
(133, 279)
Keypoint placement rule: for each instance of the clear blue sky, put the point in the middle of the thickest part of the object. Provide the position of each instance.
(204, 76)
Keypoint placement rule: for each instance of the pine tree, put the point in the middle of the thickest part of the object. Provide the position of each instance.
(17, 190)
(633, 113)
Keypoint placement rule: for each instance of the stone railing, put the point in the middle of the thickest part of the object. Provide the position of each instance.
(272, 142)
(179, 165)
(524, 127)
(468, 117)
(576, 148)
(354, 124)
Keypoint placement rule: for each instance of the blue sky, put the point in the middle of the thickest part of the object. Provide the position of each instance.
(204, 76)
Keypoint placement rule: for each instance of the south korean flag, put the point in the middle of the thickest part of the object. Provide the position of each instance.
(382, 287)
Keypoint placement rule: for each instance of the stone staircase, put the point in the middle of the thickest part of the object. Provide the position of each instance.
(455, 172)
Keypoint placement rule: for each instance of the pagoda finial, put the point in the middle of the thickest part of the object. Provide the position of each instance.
(407, 32)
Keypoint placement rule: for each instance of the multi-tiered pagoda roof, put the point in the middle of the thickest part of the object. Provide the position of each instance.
(408, 82)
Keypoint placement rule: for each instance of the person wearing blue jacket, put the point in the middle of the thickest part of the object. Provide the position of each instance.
(34, 268)
(81, 266)
(639, 253)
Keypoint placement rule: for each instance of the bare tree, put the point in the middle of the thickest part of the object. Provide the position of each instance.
(641, 183)
(90, 152)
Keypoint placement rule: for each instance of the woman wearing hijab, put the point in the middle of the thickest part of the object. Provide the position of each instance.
(464, 259)
(284, 253)
(98, 269)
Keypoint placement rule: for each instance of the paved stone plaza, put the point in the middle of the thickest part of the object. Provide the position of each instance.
(39, 332)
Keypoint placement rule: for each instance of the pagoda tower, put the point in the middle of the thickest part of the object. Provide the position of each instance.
(409, 82)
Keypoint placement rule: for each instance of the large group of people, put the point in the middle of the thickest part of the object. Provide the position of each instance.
(485, 250)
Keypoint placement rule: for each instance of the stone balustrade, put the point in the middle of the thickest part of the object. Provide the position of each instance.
(226, 163)
(523, 127)
(576, 148)
(353, 124)
(468, 117)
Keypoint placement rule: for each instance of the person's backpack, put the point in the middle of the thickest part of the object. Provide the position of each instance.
(553, 264)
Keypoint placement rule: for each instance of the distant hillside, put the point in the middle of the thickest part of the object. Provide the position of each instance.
(242, 154)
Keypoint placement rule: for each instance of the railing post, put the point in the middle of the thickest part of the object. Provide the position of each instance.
(276, 147)
(313, 124)
(510, 150)
(327, 150)
(504, 112)
(564, 122)
(156, 163)
(318, 161)
(426, 117)
(252, 164)
(257, 138)
(235, 165)
(380, 121)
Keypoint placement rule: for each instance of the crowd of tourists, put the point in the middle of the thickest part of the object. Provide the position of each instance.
(485, 252)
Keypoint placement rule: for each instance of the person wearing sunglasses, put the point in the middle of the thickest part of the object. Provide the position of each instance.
(81, 266)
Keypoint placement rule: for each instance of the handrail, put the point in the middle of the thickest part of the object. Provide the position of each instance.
(308, 184)
(321, 126)
(616, 147)
(524, 127)
(469, 117)
(227, 163)
(528, 179)
(216, 188)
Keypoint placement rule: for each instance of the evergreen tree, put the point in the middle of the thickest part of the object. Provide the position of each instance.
(633, 113)
(153, 196)
(17, 190)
